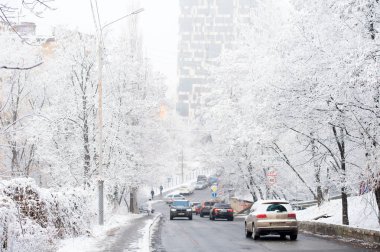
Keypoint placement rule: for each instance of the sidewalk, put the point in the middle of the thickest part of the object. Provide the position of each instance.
(132, 237)
(124, 233)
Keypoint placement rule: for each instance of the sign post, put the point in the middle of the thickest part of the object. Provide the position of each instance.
(272, 177)
(214, 188)
(271, 180)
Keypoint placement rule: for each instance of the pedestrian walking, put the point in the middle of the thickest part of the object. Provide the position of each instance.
(152, 193)
(161, 188)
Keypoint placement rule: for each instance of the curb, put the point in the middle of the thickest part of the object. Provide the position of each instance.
(347, 232)
(158, 217)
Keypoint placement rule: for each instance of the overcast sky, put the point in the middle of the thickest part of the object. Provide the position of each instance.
(158, 23)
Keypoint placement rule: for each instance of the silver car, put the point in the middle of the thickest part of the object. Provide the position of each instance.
(271, 217)
(172, 197)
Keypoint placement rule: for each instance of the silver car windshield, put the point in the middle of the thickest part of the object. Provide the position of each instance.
(181, 203)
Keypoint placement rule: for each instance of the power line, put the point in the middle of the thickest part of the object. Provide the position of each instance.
(93, 17)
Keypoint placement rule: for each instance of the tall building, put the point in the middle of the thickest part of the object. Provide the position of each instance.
(206, 28)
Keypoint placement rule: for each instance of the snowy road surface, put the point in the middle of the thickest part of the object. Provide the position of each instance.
(201, 234)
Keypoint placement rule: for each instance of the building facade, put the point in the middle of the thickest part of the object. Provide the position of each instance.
(206, 28)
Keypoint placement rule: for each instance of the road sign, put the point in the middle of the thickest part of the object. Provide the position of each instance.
(272, 177)
(214, 188)
(213, 194)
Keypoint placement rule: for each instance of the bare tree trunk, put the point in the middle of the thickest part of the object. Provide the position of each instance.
(377, 195)
(283, 156)
(133, 201)
(87, 157)
(15, 167)
(317, 172)
(341, 146)
(253, 184)
(85, 130)
(373, 32)
(267, 187)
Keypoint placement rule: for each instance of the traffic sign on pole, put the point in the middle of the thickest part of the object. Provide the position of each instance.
(272, 177)
(214, 188)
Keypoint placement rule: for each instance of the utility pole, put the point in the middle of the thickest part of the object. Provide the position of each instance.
(100, 133)
(100, 115)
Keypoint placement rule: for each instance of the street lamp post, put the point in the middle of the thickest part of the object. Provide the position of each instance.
(100, 113)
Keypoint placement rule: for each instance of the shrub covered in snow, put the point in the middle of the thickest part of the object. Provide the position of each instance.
(33, 218)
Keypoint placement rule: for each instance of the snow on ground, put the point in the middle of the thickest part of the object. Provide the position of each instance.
(143, 244)
(116, 221)
(362, 212)
(243, 196)
(99, 233)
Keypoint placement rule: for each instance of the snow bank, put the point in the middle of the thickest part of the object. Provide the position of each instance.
(98, 234)
(33, 218)
(143, 244)
(362, 212)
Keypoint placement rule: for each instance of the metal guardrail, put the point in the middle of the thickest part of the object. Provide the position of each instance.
(304, 204)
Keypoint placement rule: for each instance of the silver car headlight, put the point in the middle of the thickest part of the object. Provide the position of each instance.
(189, 210)
(173, 210)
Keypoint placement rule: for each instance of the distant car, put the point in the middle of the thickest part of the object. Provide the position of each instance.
(212, 180)
(271, 217)
(181, 208)
(198, 209)
(194, 206)
(171, 197)
(201, 178)
(200, 185)
(185, 190)
(206, 208)
(222, 211)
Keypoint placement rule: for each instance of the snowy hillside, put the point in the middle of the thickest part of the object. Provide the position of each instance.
(361, 212)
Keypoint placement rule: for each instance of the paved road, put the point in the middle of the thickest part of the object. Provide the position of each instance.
(201, 234)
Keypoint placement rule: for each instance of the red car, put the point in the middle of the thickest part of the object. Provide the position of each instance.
(205, 208)
(197, 208)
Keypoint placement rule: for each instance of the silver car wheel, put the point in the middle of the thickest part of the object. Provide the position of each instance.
(255, 235)
(248, 233)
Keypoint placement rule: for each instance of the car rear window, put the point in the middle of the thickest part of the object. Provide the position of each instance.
(276, 208)
(207, 203)
(222, 205)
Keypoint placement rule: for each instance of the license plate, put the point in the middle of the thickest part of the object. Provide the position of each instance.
(224, 210)
(278, 223)
(181, 214)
